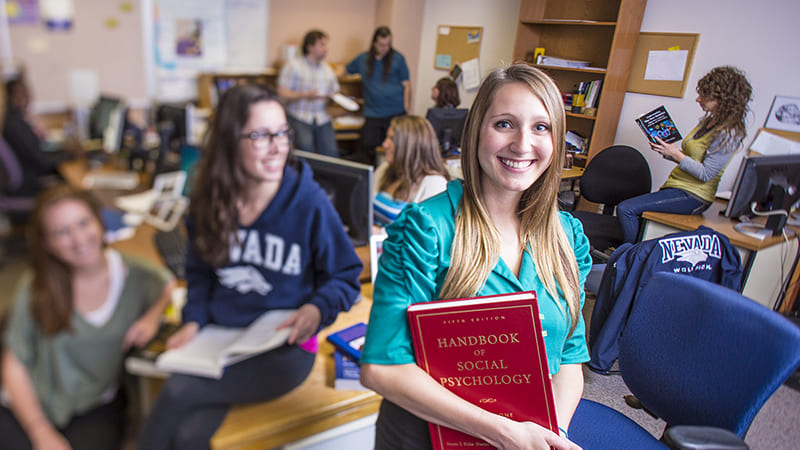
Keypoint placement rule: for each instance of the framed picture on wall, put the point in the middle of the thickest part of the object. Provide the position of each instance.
(784, 114)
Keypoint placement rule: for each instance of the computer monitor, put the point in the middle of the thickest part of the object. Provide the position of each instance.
(171, 124)
(115, 129)
(349, 188)
(449, 124)
(765, 186)
(101, 114)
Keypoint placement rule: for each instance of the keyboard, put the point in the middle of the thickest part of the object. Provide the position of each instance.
(172, 246)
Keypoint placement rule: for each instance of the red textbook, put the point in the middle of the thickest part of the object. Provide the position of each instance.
(489, 351)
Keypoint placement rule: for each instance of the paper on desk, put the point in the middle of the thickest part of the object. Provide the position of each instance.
(768, 143)
(137, 203)
(471, 73)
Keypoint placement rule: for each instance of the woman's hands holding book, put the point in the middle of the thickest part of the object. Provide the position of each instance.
(528, 435)
(669, 151)
(305, 323)
(185, 334)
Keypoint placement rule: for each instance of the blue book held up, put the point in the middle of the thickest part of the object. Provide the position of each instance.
(350, 340)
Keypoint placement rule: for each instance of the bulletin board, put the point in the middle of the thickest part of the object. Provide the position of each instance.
(456, 44)
(649, 42)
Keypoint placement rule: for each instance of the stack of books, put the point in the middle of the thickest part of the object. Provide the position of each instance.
(545, 60)
(347, 356)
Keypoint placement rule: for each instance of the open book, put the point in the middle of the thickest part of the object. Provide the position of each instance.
(216, 347)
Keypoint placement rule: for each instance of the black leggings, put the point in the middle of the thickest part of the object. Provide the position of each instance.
(398, 429)
(101, 428)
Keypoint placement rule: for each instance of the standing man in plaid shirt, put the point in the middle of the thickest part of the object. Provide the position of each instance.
(306, 83)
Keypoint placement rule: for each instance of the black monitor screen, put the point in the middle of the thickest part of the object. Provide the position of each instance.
(766, 184)
(349, 188)
(448, 123)
(100, 115)
(175, 115)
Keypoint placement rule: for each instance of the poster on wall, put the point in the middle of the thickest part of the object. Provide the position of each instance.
(57, 14)
(22, 11)
(188, 40)
(784, 114)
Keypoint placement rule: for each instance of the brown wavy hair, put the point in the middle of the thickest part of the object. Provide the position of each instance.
(448, 93)
(52, 302)
(733, 93)
(475, 249)
(416, 154)
(220, 180)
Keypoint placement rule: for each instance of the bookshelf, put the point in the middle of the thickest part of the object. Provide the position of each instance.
(603, 32)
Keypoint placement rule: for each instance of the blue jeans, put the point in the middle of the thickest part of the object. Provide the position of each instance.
(670, 200)
(313, 137)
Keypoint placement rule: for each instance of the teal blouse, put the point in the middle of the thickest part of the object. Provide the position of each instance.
(412, 268)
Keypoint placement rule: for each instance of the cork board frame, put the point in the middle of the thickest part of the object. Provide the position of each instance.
(456, 44)
(661, 41)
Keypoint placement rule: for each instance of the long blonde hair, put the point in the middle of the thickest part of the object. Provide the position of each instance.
(475, 247)
(416, 155)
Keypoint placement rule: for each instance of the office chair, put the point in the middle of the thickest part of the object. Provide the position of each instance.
(448, 124)
(695, 354)
(615, 174)
(16, 208)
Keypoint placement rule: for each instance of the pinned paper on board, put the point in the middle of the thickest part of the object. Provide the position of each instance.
(474, 37)
(666, 65)
(472, 74)
(443, 61)
(444, 31)
(768, 143)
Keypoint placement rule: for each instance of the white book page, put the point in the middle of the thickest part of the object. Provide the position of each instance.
(262, 334)
(203, 355)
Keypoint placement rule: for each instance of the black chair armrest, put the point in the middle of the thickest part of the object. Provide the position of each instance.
(567, 201)
(690, 437)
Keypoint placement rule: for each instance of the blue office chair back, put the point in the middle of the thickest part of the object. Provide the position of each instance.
(696, 353)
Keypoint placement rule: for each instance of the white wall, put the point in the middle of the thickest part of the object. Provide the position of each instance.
(760, 38)
(499, 20)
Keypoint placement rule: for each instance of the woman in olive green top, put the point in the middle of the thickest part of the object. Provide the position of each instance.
(724, 95)
(74, 316)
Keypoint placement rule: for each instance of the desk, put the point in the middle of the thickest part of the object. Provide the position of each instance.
(766, 264)
(311, 408)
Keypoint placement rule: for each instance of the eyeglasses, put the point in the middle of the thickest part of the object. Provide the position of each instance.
(262, 138)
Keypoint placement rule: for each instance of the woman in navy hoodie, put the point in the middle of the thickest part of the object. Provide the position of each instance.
(263, 236)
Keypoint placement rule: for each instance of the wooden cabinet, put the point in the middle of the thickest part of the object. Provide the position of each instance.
(603, 32)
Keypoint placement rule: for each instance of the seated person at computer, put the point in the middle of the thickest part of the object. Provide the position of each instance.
(445, 93)
(447, 119)
(307, 83)
(77, 311)
(723, 94)
(413, 170)
(26, 141)
(262, 235)
(496, 231)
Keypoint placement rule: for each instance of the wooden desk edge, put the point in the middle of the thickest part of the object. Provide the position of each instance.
(712, 219)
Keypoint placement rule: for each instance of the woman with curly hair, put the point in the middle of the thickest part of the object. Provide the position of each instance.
(724, 95)
(413, 170)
